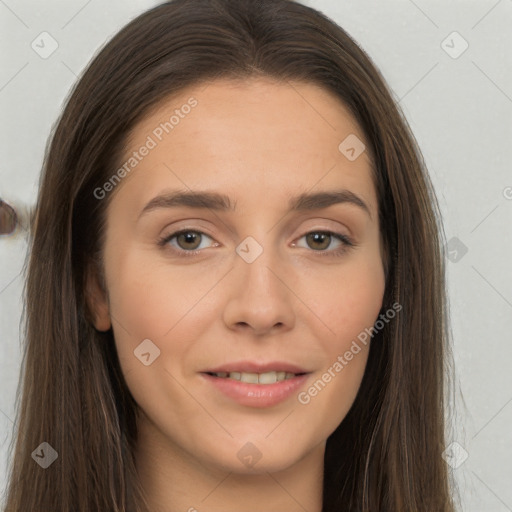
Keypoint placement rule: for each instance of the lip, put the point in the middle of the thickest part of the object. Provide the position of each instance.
(256, 395)
(255, 367)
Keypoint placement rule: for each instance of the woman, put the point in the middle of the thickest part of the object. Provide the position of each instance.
(235, 295)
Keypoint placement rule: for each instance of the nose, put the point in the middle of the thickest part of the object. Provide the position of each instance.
(260, 301)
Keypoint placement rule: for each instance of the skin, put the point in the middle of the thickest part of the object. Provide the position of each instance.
(260, 142)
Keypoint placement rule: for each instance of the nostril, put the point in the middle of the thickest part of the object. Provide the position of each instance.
(8, 218)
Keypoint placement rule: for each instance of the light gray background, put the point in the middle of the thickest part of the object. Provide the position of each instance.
(460, 111)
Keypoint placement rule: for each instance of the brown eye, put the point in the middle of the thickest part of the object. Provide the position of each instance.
(318, 240)
(188, 240)
(326, 243)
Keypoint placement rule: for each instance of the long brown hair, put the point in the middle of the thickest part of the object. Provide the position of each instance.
(386, 453)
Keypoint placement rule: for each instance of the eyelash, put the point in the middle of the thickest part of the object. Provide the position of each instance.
(347, 243)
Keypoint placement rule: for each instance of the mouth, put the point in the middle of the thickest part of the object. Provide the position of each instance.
(257, 378)
(256, 384)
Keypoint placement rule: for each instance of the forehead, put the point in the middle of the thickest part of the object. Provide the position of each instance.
(286, 136)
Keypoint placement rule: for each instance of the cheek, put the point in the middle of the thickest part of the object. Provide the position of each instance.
(348, 302)
(170, 309)
(152, 332)
(333, 391)
(148, 298)
(348, 312)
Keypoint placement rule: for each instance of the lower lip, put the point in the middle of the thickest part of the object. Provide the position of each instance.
(257, 395)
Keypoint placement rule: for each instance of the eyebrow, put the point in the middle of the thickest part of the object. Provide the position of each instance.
(221, 202)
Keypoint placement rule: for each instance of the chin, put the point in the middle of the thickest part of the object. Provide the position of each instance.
(272, 464)
(254, 458)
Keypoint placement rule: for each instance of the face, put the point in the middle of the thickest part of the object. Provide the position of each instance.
(214, 299)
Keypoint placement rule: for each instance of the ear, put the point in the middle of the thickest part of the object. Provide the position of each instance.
(97, 301)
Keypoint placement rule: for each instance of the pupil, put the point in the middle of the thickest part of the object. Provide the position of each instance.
(189, 238)
(319, 238)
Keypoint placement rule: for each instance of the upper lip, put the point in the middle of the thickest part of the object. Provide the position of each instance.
(255, 367)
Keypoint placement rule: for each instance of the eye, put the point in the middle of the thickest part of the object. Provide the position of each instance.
(186, 240)
(319, 241)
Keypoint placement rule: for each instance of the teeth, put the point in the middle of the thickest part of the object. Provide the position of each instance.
(267, 378)
(256, 378)
(250, 378)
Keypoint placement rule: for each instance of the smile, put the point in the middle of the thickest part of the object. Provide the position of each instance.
(256, 378)
(256, 390)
